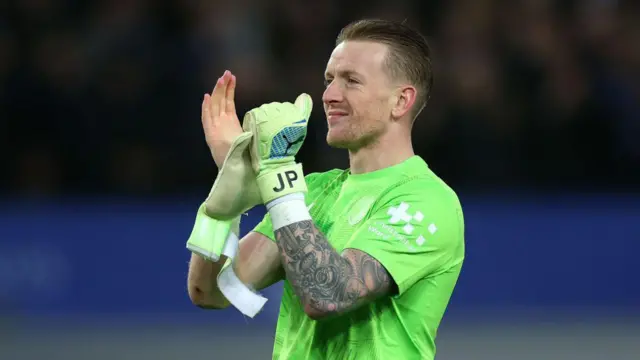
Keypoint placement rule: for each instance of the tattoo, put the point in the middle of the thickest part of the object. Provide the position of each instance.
(325, 281)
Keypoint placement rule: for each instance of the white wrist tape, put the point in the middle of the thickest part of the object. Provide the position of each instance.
(230, 248)
(238, 294)
(288, 210)
(234, 290)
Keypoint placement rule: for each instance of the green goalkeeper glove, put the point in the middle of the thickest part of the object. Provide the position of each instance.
(279, 130)
(234, 192)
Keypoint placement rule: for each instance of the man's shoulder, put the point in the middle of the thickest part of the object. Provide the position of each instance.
(324, 178)
(422, 180)
(422, 187)
(427, 204)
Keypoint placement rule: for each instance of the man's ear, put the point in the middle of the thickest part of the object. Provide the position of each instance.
(404, 100)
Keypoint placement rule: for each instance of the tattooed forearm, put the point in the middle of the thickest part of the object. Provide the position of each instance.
(326, 282)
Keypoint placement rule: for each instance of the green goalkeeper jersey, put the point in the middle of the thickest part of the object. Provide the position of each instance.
(411, 222)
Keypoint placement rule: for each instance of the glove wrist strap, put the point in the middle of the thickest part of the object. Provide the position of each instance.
(281, 181)
(212, 238)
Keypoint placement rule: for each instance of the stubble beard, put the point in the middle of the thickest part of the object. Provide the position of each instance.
(357, 135)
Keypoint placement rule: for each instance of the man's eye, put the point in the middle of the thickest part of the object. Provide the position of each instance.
(352, 81)
(327, 82)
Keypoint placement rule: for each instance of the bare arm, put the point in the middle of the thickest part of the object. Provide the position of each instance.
(257, 265)
(327, 282)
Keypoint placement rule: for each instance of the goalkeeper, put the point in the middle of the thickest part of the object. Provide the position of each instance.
(369, 255)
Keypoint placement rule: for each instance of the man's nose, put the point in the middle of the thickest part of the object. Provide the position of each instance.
(332, 94)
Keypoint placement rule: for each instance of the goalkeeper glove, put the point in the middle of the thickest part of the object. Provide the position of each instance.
(234, 192)
(279, 130)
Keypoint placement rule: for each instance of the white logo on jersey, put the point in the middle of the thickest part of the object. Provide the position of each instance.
(432, 228)
(400, 214)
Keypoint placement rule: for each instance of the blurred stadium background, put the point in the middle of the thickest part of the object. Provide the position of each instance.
(535, 120)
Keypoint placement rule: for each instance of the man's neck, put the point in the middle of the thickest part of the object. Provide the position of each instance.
(388, 150)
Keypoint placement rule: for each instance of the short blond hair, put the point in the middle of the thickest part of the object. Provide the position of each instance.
(409, 56)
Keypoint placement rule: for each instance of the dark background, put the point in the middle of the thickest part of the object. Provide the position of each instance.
(104, 97)
(534, 120)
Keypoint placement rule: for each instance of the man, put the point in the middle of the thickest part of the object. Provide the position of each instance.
(370, 255)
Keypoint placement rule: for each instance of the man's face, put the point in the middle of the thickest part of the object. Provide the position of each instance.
(358, 95)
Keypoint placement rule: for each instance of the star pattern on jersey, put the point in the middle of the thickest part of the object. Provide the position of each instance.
(401, 213)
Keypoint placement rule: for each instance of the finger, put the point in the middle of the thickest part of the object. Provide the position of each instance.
(206, 113)
(226, 78)
(216, 95)
(230, 105)
(304, 103)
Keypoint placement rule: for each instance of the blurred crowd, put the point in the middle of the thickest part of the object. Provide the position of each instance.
(104, 96)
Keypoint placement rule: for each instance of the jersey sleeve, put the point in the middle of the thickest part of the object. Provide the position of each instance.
(314, 181)
(265, 227)
(415, 230)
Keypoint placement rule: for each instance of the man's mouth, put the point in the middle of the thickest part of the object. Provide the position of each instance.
(334, 116)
